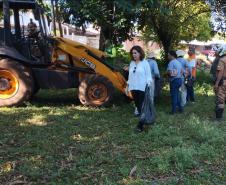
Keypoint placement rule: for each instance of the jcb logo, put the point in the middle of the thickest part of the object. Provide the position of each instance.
(88, 63)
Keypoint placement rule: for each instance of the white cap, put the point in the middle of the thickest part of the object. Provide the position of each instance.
(180, 53)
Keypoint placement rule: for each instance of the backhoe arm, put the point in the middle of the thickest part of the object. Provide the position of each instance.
(93, 58)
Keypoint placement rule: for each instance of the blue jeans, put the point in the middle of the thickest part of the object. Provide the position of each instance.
(174, 92)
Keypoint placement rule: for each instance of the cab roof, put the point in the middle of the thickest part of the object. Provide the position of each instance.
(21, 4)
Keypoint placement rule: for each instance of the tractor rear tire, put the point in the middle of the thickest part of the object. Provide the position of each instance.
(96, 91)
(19, 82)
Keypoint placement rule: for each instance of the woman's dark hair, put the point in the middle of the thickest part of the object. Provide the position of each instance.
(139, 50)
(173, 53)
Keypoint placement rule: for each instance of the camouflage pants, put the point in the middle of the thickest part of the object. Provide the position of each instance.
(220, 97)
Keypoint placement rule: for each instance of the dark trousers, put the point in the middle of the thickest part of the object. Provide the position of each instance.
(174, 92)
(138, 97)
(190, 93)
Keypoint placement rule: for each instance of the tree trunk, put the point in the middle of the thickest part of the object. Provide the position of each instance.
(58, 18)
(53, 17)
(166, 41)
(102, 40)
(166, 47)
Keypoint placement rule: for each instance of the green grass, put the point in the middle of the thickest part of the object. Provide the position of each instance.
(54, 140)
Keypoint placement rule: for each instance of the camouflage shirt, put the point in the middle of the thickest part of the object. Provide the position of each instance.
(213, 69)
(222, 65)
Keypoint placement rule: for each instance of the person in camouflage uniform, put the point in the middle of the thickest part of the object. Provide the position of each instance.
(220, 84)
(214, 65)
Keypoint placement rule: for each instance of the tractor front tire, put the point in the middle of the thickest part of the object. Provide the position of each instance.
(96, 91)
(16, 83)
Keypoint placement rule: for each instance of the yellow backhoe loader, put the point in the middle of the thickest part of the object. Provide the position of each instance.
(29, 63)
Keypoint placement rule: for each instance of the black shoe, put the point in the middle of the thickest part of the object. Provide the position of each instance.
(219, 113)
(139, 128)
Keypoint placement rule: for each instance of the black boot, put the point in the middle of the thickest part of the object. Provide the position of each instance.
(139, 127)
(219, 114)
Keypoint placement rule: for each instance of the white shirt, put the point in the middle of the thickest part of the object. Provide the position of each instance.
(139, 75)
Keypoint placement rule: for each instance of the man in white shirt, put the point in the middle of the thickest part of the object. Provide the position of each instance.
(175, 72)
(183, 89)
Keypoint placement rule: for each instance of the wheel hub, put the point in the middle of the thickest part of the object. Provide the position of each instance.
(9, 84)
(97, 92)
(4, 84)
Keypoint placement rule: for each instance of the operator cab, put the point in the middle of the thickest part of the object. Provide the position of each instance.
(24, 28)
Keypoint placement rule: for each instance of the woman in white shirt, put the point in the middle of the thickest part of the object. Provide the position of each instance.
(139, 77)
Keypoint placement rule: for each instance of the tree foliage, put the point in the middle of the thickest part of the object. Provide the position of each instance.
(115, 21)
(217, 4)
(170, 21)
(165, 21)
(219, 15)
